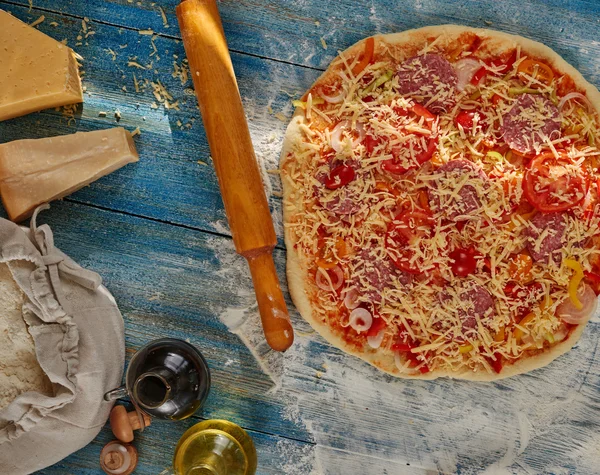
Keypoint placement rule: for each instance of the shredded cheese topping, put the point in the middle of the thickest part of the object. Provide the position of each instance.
(471, 186)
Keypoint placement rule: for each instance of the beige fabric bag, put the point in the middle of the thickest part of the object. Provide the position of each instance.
(78, 334)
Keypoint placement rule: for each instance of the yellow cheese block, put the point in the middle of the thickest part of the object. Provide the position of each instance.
(36, 71)
(37, 171)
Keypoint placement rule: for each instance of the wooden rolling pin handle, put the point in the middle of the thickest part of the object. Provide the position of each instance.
(231, 149)
(273, 311)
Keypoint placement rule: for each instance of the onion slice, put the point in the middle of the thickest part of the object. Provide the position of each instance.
(579, 97)
(561, 333)
(351, 299)
(333, 99)
(336, 135)
(399, 362)
(374, 341)
(361, 319)
(331, 279)
(568, 313)
(465, 70)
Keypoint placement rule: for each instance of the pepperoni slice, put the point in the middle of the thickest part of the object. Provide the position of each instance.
(482, 307)
(552, 243)
(479, 305)
(430, 79)
(442, 194)
(530, 120)
(340, 200)
(376, 273)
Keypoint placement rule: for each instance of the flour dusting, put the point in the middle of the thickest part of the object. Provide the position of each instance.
(360, 418)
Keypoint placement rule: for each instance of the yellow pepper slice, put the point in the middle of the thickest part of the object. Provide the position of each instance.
(495, 155)
(576, 279)
(302, 104)
(465, 349)
(520, 267)
(547, 302)
(526, 319)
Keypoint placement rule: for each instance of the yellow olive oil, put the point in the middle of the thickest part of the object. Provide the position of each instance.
(215, 447)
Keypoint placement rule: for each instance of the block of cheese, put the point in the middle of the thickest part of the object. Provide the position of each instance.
(37, 171)
(36, 71)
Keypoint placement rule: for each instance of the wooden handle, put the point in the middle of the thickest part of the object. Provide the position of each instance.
(123, 423)
(235, 163)
(273, 311)
(225, 123)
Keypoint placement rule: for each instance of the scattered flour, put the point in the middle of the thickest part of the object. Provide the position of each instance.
(19, 368)
(364, 421)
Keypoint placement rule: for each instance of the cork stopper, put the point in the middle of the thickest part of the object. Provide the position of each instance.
(123, 423)
(118, 459)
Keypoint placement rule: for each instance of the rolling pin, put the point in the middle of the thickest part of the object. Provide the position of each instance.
(235, 163)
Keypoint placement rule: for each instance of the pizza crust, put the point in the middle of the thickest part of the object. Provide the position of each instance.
(297, 275)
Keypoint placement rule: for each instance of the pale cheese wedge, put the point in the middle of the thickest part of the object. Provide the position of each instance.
(38, 171)
(36, 71)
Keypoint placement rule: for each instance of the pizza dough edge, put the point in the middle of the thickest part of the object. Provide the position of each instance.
(298, 279)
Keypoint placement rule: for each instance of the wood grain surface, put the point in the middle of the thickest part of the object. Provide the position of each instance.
(156, 231)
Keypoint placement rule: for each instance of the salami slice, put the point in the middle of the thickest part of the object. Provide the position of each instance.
(455, 203)
(482, 307)
(343, 201)
(552, 226)
(376, 273)
(429, 79)
(531, 120)
(477, 303)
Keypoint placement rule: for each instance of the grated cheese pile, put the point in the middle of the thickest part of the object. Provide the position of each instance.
(472, 189)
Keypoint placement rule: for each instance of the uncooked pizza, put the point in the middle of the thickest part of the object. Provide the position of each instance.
(441, 203)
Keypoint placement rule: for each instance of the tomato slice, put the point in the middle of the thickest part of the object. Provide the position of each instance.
(499, 65)
(340, 176)
(377, 325)
(594, 281)
(402, 237)
(403, 343)
(422, 111)
(496, 362)
(550, 186)
(536, 69)
(371, 143)
(478, 76)
(464, 261)
(422, 154)
(325, 256)
(395, 168)
(506, 65)
(465, 119)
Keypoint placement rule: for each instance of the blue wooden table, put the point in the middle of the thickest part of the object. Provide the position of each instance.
(156, 231)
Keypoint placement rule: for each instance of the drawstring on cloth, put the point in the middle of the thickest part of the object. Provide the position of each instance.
(54, 260)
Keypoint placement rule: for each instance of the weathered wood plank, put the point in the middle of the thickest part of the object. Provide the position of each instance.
(168, 281)
(171, 281)
(285, 29)
(156, 446)
(168, 183)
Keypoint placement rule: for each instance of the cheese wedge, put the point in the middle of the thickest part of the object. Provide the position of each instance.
(36, 71)
(33, 172)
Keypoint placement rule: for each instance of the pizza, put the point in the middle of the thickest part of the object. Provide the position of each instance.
(441, 203)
